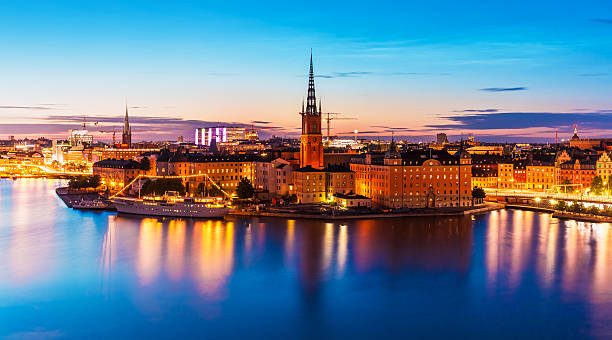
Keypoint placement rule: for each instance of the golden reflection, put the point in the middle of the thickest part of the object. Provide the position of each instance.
(493, 242)
(328, 246)
(213, 252)
(108, 251)
(176, 249)
(342, 251)
(149, 250)
(602, 269)
(290, 242)
(547, 250)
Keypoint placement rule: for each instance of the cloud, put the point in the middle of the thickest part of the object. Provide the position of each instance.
(221, 74)
(366, 73)
(524, 120)
(13, 107)
(416, 74)
(602, 74)
(602, 21)
(260, 122)
(143, 127)
(503, 89)
(478, 110)
(344, 74)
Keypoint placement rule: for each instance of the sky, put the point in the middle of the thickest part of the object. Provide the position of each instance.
(502, 71)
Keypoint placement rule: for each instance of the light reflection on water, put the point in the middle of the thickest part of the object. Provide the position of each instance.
(503, 274)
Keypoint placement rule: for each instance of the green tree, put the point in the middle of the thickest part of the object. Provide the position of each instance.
(593, 210)
(561, 206)
(245, 189)
(214, 191)
(162, 185)
(81, 182)
(597, 185)
(577, 207)
(478, 194)
(567, 186)
(94, 181)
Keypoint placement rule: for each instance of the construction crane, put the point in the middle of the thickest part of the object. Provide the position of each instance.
(113, 131)
(329, 118)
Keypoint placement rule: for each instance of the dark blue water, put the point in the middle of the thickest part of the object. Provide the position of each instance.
(506, 274)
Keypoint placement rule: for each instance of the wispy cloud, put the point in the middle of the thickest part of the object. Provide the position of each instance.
(16, 107)
(478, 110)
(143, 127)
(503, 89)
(518, 121)
(602, 20)
(344, 74)
(368, 73)
(602, 74)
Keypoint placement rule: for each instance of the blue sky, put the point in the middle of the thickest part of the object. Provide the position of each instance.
(420, 66)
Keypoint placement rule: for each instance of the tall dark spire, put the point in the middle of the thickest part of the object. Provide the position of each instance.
(311, 101)
(126, 137)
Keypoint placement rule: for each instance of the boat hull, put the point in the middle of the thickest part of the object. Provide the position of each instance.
(137, 207)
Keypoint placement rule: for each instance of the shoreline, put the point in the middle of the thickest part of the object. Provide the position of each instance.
(477, 210)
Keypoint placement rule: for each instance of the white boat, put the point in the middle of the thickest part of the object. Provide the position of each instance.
(86, 204)
(170, 205)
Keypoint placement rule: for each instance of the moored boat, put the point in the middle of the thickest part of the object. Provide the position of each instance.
(174, 206)
(90, 204)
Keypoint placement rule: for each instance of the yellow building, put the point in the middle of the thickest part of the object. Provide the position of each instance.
(505, 174)
(540, 177)
(604, 167)
(309, 185)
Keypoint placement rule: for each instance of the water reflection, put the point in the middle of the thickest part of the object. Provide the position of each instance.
(394, 274)
(213, 252)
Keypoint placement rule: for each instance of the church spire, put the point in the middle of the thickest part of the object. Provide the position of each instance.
(127, 130)
(311, 101)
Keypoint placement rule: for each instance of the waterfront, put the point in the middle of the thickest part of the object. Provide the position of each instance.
(507, 273)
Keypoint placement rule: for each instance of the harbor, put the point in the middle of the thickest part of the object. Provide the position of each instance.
(296, 269)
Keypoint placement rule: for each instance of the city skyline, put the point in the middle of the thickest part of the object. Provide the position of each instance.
(513, 74)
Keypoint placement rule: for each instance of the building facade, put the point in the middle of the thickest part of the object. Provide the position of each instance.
(415, 179)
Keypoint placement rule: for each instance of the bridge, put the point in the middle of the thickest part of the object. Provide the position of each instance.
(35, 170)
(525, 195)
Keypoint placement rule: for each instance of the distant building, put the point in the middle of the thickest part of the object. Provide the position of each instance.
(80, 137)
(590, 143)
(441, 139)
(220, 134)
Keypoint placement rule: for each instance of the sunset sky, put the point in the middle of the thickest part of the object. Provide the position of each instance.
(499, 70)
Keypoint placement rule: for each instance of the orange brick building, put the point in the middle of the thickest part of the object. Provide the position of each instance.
(415, 179)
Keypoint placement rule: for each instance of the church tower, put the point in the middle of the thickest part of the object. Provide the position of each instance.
(311, 145)
(126, 137)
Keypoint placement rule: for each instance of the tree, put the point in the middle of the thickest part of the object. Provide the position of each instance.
(593, 210)
(94, 181)
(81, 182)
(201, 189)
(245, 189)
(145, 164)
(478, 194)
(577, 207)
(561, 206)
(567, 186)
(597, 185)
(162, 185)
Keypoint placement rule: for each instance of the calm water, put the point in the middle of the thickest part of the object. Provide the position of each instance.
(65, 273)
